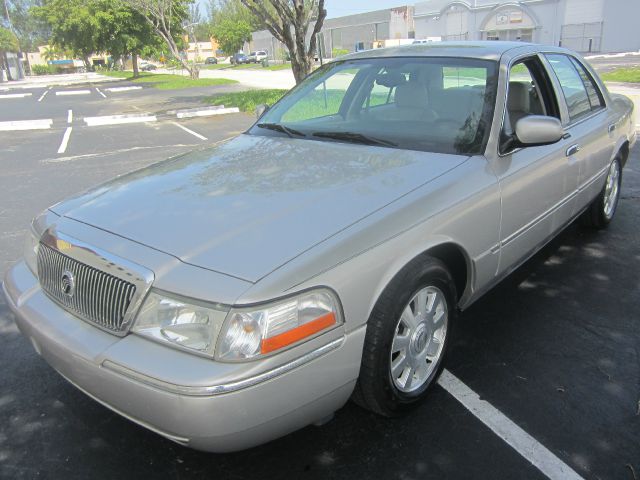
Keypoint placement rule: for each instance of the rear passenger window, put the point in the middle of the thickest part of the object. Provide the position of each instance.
(593, 91)
(573, 88)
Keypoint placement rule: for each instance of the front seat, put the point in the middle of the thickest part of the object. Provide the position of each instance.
(412, 103)
(518, 102)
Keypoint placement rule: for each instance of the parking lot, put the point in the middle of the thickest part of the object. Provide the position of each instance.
(555, 348)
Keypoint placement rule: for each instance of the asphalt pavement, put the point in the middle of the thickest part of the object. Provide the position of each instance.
(555, 348)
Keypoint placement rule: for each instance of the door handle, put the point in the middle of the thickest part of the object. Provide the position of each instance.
(612, 127)
(572, 150)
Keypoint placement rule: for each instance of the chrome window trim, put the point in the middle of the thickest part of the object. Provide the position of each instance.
(106, 262)
(212, 390)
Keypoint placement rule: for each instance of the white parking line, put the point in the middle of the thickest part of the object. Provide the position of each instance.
(98, 90)
(122, 89)
(208, 112)
(521, 441)
(26, 125)
(44, 94)
(74, 92)
(119, 119)
(195, 134)
(65, 140)
(16, 95)
(70, 116)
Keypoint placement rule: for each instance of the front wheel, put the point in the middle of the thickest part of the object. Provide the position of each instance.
(407, 337)
(603, 208)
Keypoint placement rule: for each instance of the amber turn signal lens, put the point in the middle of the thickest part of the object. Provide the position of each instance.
(298, 333)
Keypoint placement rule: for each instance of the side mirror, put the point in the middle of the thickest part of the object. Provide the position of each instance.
(261, 110)
(534, 130)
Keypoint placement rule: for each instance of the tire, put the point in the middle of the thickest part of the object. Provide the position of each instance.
(387, 393)
(603, 208)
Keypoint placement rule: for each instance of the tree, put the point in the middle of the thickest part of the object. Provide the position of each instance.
(8, 43)
(30, 30)
(88, 26)
(73, 26)
(231, 33)
(123, 31)
(166, 18)
(289, 21)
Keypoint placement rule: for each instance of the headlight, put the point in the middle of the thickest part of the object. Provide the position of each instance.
(181, 323)
(31, 243)
(250, 332)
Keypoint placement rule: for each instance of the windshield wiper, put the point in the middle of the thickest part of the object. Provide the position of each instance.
(355, 138)
(281, 128)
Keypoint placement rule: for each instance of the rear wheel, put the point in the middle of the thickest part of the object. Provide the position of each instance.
(407, 337)
(603, 208)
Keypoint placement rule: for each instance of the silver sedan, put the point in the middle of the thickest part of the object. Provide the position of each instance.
(230, 296)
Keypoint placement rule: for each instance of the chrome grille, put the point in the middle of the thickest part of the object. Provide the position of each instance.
(92, 294)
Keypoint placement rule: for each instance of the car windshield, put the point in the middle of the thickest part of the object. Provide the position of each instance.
(431, 104)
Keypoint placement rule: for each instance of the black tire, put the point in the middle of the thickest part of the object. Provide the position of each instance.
(595, 216)
(375, 389)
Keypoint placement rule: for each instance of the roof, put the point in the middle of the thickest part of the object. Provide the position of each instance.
(487, 50)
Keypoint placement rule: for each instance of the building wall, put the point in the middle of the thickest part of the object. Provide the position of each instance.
(620, 26)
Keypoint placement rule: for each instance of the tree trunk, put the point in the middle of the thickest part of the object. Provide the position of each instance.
(87, 63)
(134, 62)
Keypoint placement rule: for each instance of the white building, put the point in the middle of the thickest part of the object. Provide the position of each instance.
(581, 25)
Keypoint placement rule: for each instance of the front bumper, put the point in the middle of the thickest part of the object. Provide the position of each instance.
(189, 399)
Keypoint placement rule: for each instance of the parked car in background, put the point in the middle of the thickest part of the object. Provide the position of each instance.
(211, 61)
(258, 56)
(146, 66)
(325, 253)
(239, 58)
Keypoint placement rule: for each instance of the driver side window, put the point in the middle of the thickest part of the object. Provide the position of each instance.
(528, 94)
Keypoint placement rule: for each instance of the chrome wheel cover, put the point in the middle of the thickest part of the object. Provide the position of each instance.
(612, 190)
(418, 340)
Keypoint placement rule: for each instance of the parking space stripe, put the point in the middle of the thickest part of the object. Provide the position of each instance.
(16, 95)
(518, 439)
(70, 116)
(44, 94)
(74, 92)
(195, 134)
(122, 89)
(119, 119)
(65, 140)
(26, 125)
(98, 90)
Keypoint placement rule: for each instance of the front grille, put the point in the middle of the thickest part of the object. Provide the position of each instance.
(90, 293)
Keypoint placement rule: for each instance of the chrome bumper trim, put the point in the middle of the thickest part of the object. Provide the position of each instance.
(201, 391)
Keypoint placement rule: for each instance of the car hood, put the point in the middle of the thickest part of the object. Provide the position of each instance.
(248, 206)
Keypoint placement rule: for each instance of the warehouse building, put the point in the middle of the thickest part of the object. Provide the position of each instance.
(581, 25)
(588, 26)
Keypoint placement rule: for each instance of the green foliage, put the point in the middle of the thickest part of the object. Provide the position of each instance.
(338, 52)
(170, 82)
(8, 41)
(246, 101)
(87, 26)
(44, 69)
(30, 30)
(626, 75)
(231, 33)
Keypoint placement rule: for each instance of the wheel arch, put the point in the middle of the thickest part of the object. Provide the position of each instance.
(449, 252)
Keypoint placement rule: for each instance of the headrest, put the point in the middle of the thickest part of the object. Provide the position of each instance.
(412, 94)
(390, 79)
(518, 100)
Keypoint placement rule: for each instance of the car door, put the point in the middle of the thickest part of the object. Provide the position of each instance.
(586, 120)
(537, 183)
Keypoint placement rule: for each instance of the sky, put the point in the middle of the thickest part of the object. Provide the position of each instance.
(339, 8)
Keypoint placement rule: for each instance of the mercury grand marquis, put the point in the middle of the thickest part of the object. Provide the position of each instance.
(232, 295)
